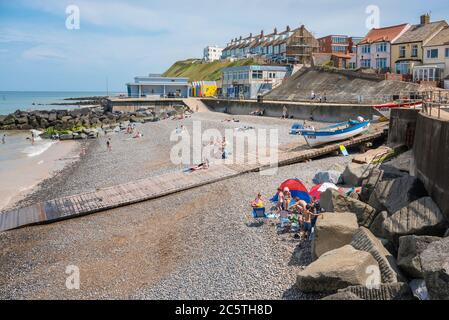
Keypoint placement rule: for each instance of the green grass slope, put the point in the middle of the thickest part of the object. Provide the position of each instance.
(197, 70)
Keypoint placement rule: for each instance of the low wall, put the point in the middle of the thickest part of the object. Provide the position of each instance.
(431, 149)
(317, 112)
(402, 127)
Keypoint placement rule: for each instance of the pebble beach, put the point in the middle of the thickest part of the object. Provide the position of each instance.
(197, 244)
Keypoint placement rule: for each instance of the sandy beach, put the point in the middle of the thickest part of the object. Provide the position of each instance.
(197, 244)
(24, 165)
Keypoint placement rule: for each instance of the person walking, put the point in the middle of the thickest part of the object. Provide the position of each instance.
(108, 144)
(4, 139)
(284, 112)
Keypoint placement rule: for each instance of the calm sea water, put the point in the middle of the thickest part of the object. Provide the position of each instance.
(10, 101)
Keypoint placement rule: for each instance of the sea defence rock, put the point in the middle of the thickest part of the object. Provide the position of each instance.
(409, 253)
(392, 195)
(354, 174)
(421, 217)
(435, 266)
(331, 176)
(342, 296)
(338, 269)
(332, 231)
(333, 201)
(364, 240)
(389, 291)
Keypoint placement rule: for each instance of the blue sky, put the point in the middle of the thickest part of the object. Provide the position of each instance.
(118, 40)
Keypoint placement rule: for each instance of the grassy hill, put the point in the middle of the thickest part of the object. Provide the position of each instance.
(197, 70)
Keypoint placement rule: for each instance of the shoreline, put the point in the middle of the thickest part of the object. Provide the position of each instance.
(25, 175)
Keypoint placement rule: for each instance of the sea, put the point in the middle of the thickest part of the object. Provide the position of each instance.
(11, 101)
(23, 164)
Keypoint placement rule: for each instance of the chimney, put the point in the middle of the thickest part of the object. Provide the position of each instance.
(251, 35)
(261, 33)
(275, 30)
(425, 18)
(288, 28)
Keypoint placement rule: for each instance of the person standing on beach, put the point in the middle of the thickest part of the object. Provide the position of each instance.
(4, 139)
(32, 138)
(284, 112)
(108, 144)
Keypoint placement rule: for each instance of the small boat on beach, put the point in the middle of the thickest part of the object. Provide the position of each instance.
(337, 132)
(385, 109)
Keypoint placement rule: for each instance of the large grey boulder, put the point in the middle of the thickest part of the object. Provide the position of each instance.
(421, 217)
(331, 176)
(389, 291)
(355, 174)
(338, 269)
(340, 296)
(435, 266)
(333, 201)
(364, 240)
(410, 249)
(67, 136)
(332, 231)
(392, 195)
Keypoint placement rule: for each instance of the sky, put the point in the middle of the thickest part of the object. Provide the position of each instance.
(118, 40)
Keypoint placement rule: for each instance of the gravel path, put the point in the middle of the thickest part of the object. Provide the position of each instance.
(197, 244)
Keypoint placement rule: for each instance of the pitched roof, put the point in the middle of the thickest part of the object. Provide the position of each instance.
(383, 34)
(441, 39)
(421, 32)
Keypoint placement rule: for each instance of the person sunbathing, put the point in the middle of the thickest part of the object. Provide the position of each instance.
(202, 166)
(259, 202)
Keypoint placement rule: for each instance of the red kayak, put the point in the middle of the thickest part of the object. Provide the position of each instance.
(392, 105)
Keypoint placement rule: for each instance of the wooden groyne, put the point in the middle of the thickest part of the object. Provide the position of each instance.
(155, 187)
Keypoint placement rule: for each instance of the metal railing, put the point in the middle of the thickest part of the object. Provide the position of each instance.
(434, 101)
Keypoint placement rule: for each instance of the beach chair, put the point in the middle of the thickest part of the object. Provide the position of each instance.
(259, 213)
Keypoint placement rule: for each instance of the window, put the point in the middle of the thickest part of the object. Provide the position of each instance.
(366, 49)
(446, 53)
(257, 75)
(414, 50)
(338, 48)
(402, 52)
(381, 63)
(432, 53)
(366, 63)
(381, 47)
(402, 68)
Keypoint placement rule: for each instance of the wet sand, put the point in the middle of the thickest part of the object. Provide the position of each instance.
(21, 173)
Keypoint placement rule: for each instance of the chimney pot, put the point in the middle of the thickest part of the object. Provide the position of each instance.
(425, 18)
(275, 30)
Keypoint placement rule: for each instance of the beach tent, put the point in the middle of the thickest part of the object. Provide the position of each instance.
(320, 188)
(297, 189)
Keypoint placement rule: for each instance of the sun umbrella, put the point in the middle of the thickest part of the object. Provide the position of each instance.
(320, 188)
(297, 189)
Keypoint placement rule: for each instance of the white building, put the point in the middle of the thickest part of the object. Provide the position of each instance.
(212, 53)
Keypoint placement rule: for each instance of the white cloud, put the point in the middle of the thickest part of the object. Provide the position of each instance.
(42, 53)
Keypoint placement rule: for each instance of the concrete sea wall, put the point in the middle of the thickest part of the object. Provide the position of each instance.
(317, 112)
(402, 127)
(431, 150)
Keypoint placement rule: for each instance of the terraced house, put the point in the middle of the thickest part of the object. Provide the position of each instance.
(407, 51)
(293, 45)
(374, 51)
(436, 60)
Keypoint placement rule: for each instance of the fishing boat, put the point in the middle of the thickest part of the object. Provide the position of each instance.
(337, 132)
(385, 109)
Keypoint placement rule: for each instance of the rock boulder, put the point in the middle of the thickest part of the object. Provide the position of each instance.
(364, 240)
(333, 201)
(421, 217)
(435, 266)
(393, 195)
(354, 174)
(338, 269)
(390, 291)
(410, 249)
(332, 231)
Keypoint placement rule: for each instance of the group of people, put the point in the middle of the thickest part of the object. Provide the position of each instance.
(295, 209)
(322, 98)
